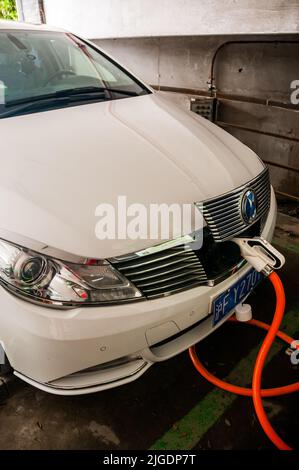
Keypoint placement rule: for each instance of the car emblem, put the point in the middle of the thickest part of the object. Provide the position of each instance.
(249, 206)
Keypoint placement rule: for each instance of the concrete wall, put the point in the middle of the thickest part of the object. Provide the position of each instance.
(136, 18)
(259, 70)
(252, 79)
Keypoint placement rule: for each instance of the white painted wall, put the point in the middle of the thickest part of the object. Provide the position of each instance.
(145, 18)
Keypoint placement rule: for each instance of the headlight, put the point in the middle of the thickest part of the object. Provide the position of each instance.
(50, 281)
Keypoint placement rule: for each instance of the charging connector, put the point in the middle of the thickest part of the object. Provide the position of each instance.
(260, 254)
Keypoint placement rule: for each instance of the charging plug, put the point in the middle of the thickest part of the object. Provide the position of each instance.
(260, 254)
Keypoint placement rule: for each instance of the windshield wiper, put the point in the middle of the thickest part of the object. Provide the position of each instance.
(46, 102)
(121, 91)
(70, 92)
(32, 105)
(72, 95)
(56, 94)
(93, 89)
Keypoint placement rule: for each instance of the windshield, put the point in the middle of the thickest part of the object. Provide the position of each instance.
(42, 70)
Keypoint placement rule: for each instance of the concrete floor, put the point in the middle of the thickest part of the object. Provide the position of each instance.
(170, 407)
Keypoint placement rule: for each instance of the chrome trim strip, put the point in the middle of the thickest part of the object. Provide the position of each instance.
(144, 277)
(163, 272)
(193, 273)
(98, 387)
(40, 302)
(70, 387)
(175, 243)
(178, 259)
(41, 248)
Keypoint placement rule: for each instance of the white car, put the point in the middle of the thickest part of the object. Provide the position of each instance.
(79, 314)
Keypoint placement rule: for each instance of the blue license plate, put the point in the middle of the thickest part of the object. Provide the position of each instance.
(227, 301)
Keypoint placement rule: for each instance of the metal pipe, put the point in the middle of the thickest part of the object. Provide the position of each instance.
(227, 96)
(257, 131)
(212, 82)
(288, 196)
(280, 165)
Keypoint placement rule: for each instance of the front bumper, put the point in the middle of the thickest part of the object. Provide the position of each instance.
(70, 352)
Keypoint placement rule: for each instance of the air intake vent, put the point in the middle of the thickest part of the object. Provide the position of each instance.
(164, 272)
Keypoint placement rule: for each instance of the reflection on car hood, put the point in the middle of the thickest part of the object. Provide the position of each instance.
(57, 166)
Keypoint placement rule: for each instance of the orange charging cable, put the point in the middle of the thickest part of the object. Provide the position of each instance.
(256, 392)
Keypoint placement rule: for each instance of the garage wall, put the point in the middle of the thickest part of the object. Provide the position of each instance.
(136, 18)
(256, 69)
(252, 81)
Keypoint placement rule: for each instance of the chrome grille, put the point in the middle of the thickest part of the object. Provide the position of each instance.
(166, 269)
(223, 213)
(164, 272)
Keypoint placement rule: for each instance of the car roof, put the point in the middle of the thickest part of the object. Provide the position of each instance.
(15, 25)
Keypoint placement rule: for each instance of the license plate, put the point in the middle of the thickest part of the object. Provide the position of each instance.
(228, 300)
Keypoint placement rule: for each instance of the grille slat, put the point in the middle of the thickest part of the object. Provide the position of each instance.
(164, 272)
(150, 259)
(230, 202)
(162, 268)
(171, 285)
(228, 229)
(223, 214)
(216, 221)
(157, 281)
(262, 191)
(261, 185)
(261, 180)
(218, 212)
(158, 265)
(173, 290)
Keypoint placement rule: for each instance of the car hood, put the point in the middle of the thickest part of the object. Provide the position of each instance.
(59, 165)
